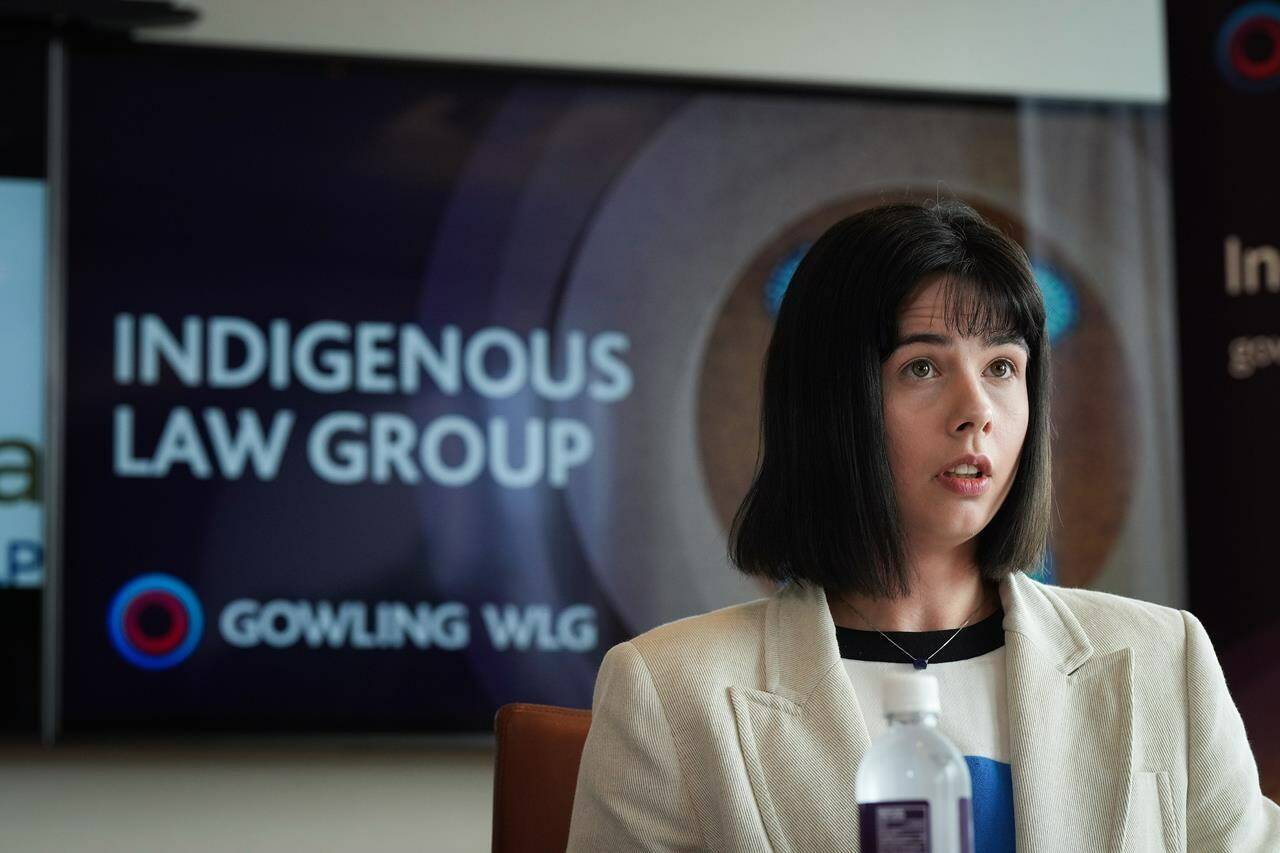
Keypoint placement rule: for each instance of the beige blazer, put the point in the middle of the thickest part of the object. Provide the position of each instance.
(739, 730)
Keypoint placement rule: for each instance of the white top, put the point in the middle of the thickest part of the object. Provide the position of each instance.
(974, 716)
(972, 693)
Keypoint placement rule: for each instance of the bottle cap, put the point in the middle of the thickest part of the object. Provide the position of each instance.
(911, 692)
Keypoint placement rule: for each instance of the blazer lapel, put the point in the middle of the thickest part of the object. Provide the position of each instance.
(1069, 713)
(803, 737)
(1070, 725)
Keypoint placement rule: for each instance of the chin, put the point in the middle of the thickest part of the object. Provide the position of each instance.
(962, 533)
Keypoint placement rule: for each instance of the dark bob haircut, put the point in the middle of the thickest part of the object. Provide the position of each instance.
(821, 508)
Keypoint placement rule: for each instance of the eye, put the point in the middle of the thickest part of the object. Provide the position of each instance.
(911, 368)
(1010, 369)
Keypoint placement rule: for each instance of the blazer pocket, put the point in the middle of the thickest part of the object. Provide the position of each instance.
(1152, 821)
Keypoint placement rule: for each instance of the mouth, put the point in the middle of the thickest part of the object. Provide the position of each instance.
(969, 466)
(969, 486)
(969, 475)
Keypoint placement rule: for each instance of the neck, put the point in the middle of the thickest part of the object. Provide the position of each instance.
(944, 593)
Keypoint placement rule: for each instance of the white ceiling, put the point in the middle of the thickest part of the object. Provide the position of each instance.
(1110, 51)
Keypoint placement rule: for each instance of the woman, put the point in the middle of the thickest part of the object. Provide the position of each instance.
(903, 489)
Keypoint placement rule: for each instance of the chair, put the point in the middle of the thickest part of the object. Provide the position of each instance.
(535, 774)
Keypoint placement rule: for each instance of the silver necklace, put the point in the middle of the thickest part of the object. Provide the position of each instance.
(917, 662)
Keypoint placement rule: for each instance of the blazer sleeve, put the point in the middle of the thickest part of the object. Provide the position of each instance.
(630, 794)
(1226, 809)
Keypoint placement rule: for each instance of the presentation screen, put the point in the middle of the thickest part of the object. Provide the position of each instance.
(396, 392)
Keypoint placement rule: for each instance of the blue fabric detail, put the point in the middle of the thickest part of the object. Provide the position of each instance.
(992, 804)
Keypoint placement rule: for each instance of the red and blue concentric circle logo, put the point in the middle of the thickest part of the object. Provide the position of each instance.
(155, 621)
(1248, 47)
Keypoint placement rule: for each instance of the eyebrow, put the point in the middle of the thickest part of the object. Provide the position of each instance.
(993, 339)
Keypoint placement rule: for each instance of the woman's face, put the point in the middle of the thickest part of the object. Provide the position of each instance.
(946, 397)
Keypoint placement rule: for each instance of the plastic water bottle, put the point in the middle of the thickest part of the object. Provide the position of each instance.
(913, 788)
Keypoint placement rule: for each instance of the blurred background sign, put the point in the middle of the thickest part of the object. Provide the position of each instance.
(1224, 78)
(24, 205)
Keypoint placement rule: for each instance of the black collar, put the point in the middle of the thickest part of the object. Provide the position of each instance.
(976, 639)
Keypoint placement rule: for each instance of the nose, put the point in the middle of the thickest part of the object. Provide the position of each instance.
(973, 410)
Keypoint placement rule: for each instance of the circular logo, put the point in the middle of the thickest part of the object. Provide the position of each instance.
(155, 621)
(1248, 47)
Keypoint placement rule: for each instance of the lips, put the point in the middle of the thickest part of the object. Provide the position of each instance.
(967, 486)
(979, 461)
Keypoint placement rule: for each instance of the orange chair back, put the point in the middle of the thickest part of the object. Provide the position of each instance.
(535, 774)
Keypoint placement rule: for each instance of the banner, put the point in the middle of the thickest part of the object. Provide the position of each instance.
(1224, 77)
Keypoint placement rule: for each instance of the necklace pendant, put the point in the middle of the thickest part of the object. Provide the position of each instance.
(920, 663)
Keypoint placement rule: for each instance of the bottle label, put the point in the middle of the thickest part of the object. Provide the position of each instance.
(903, 827)
(966, 826)
(894, 827)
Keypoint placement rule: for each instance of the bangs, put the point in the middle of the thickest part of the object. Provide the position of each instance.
(978, 307)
